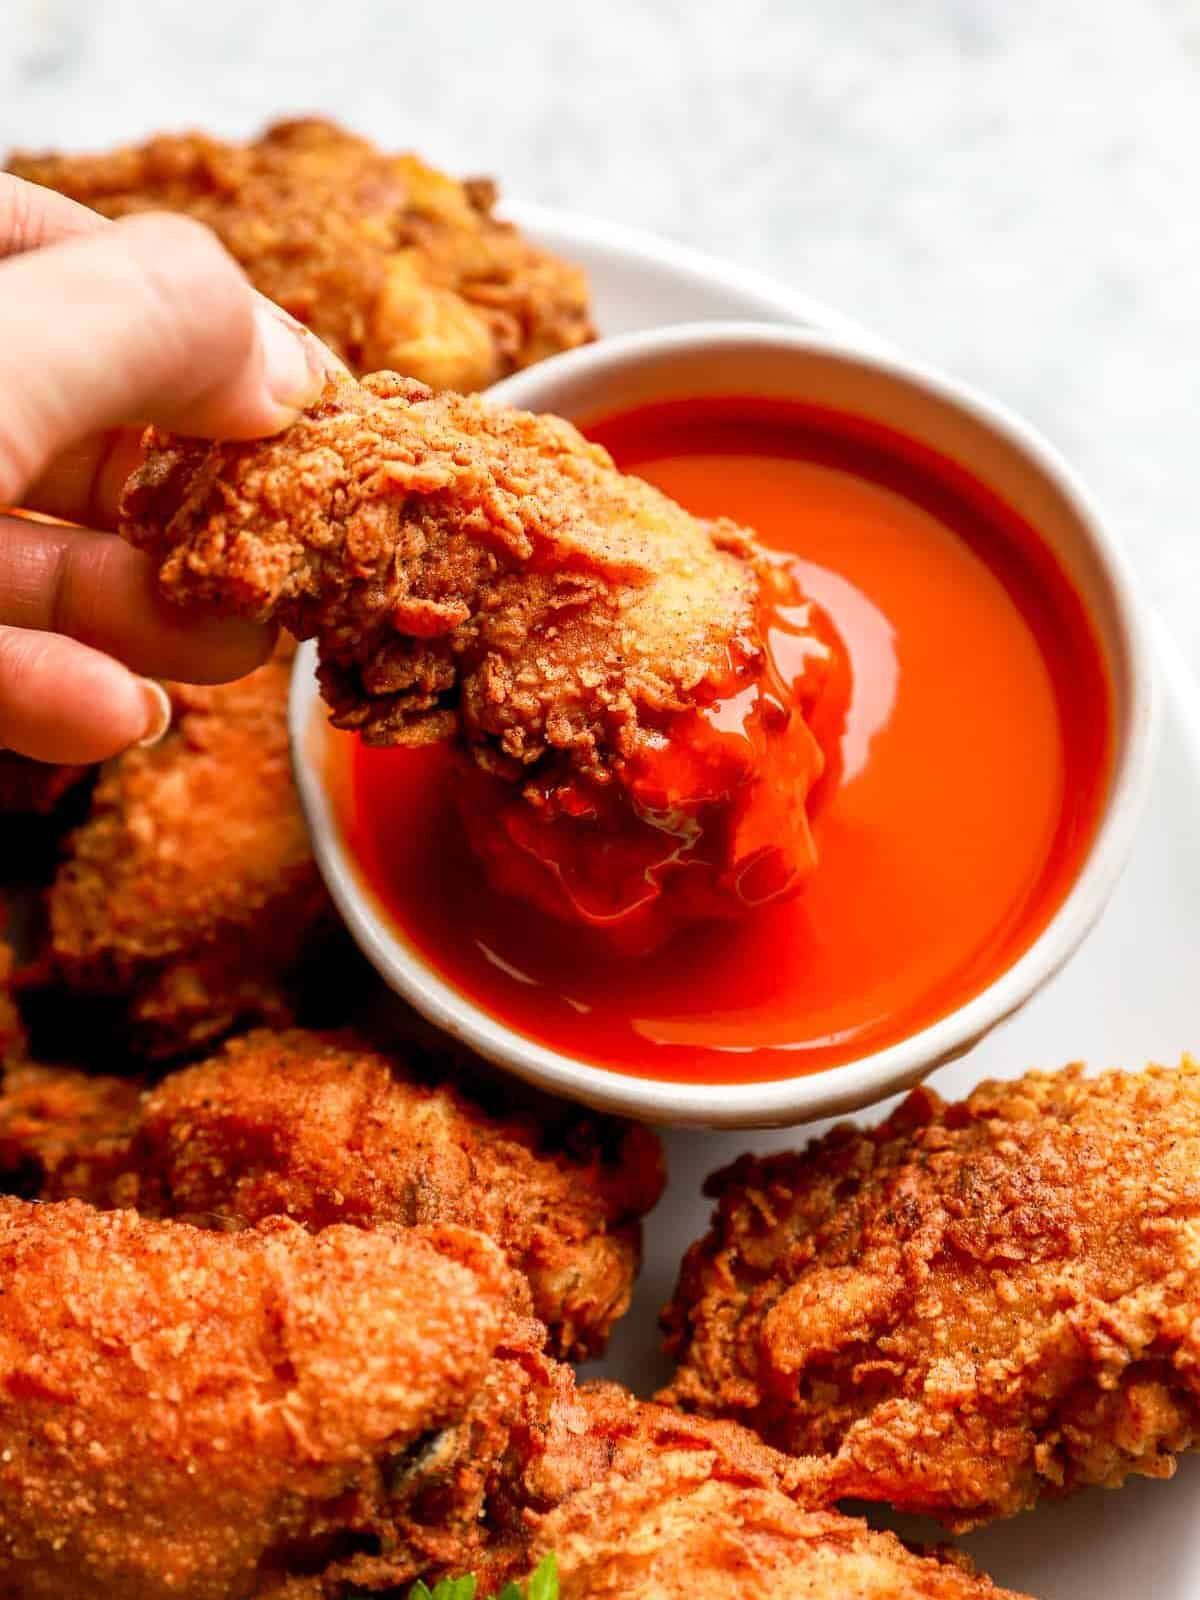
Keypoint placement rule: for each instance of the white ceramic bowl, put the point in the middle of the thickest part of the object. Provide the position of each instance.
(1000, 451)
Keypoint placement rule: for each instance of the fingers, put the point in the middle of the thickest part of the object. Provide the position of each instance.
(102, 325)
(84, 483)
(62, 701)
(32, 217)
(96, 589)
(145, 318)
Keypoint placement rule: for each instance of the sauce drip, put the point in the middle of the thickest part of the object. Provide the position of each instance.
(969, 765)
(707, 817)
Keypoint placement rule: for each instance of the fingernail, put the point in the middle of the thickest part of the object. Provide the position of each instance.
(332, 365)
(158, 713)
(292, 365)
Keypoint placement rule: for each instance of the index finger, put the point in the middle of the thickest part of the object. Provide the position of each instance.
(148, 317)
(84, 482)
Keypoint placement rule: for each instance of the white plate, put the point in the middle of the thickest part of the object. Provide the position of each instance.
(1130, 995)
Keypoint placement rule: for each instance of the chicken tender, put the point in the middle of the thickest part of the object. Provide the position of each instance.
(603, 655)
(324, 1129)
(189, 894)
(970, 1306)
(192, 1416)
(390, 262)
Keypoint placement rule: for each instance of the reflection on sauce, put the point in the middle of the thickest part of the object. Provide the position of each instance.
(971, 762)
(871, 686)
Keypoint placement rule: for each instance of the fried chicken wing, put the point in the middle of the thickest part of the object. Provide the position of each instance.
(565, 1442)
(638, 1500)
(390, 262)
(325, 1129)
(970, 1306)
(605, 658)
(272, 1414)
(195, 1416)
(672, 1530)
(63, 1134)
(189, 893)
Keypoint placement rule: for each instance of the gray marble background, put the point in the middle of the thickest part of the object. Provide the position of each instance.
(1006, 186)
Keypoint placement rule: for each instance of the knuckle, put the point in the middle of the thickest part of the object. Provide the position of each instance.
(63, 586)
(194, 290)
(18, 461)
(19, 230)
(178, 255)
(184, 236)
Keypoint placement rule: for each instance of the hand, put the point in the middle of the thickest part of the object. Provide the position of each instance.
(105, 326)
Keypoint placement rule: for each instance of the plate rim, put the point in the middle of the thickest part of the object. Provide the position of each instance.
(778, 301)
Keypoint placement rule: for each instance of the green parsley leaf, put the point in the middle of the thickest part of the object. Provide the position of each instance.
(544, 1583)
(456, 1588)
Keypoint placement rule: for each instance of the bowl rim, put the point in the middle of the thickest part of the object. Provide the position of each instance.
(873, 1077)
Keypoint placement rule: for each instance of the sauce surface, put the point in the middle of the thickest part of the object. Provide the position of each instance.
(968, 783)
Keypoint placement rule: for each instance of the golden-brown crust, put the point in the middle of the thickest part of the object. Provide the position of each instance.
(637, 1499)
(392, 263)
(570, 1439)
(534, 1440)
(970, 1306)
(64, 1134)
(189, 892)
(460, 565)
(192, 1415)
(674, 1528)
(324, 1129)
(292, 1490)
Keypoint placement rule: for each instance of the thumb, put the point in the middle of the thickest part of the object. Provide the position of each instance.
(147, 319)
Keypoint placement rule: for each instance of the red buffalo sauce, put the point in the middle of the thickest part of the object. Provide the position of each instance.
(968, 764)
(709, 816)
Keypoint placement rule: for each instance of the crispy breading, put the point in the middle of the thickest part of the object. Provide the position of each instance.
(64, 1134)
(195, 1416)
(324, 1129)
(271, 1414)
(190, 892)
(458, 563)
(564, 1440)
(487, 573)
(672, 1529)
(638, 1500)
(970, 1306)
(390, 262)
